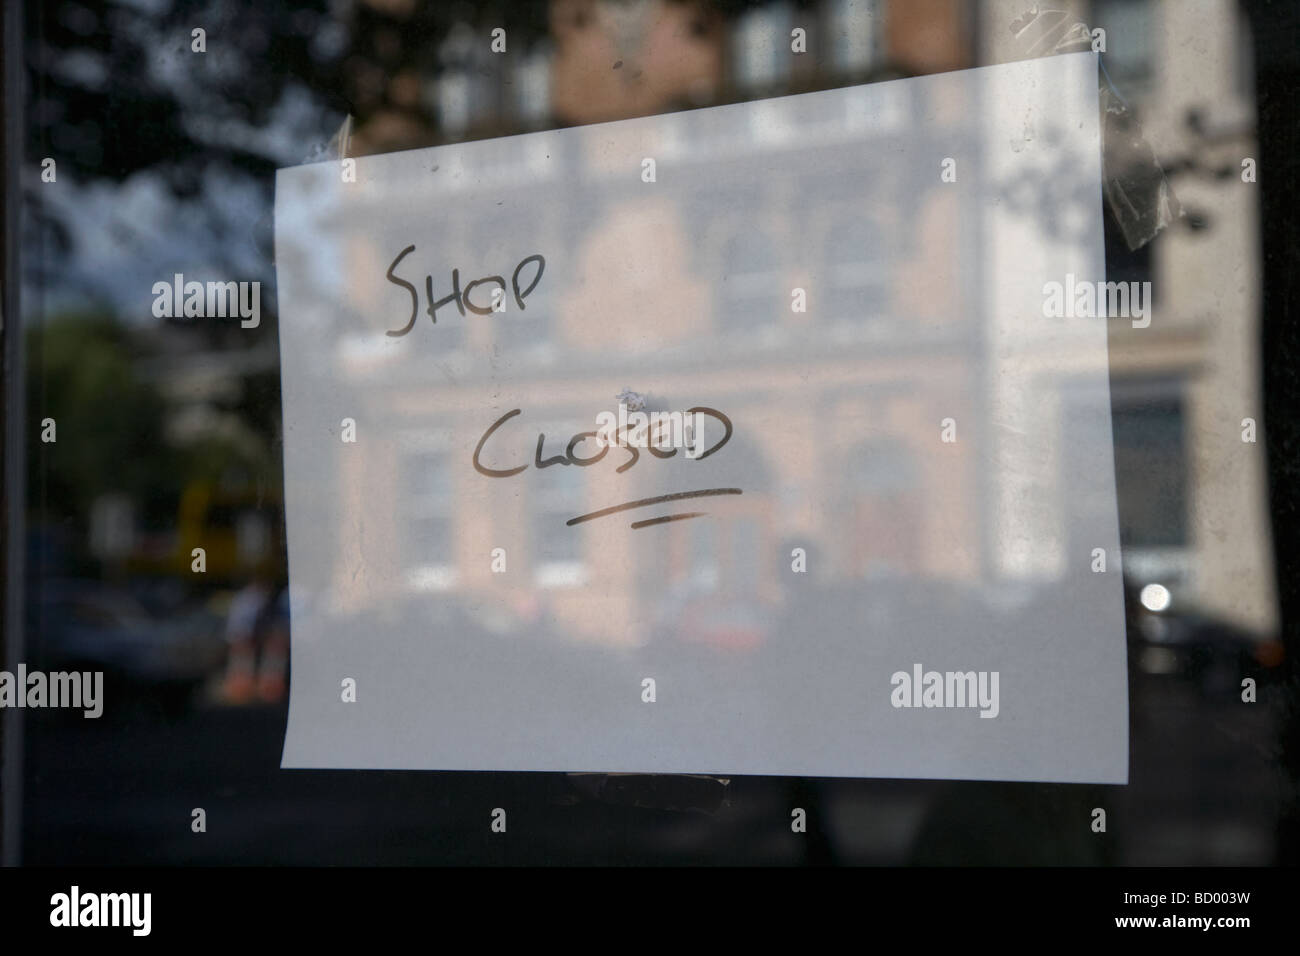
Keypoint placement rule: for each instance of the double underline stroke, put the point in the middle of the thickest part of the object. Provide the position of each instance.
(657, 499)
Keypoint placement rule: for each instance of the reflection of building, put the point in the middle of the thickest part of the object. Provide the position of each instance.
(1191, 493)
(837, 405)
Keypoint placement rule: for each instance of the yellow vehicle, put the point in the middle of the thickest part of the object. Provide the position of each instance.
(229, 534)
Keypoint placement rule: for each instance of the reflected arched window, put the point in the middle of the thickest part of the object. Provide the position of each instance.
(726, 554)
(1129, 33)
(856, 258)
(881, 508)
(883, 467)
(857, 35)
(751, 289)
(761, 52)
(466, 91)
(556, 496)
(426, 517)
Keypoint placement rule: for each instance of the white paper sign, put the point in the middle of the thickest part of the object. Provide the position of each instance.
(867, 526)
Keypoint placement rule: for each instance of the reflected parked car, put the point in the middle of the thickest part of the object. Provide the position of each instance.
(1170, 639)
(88, 625)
